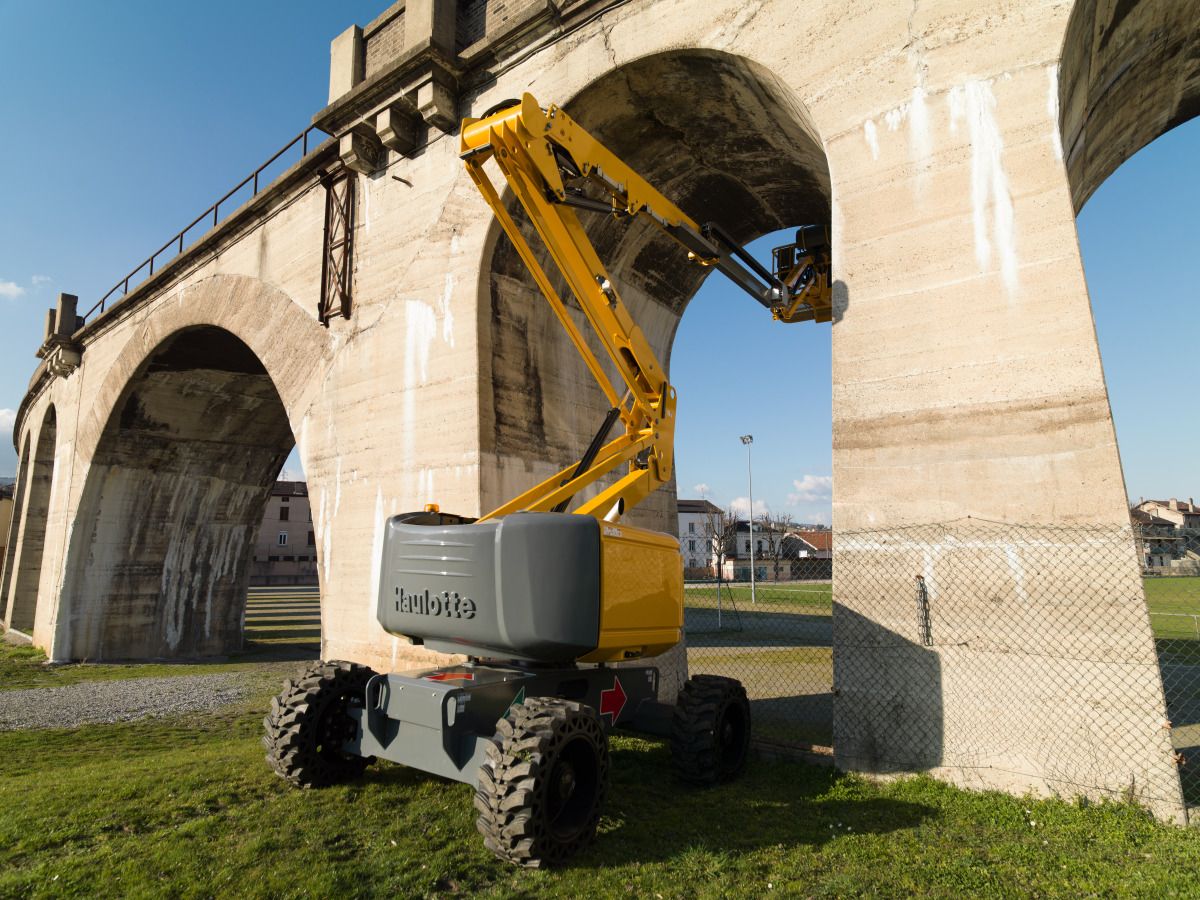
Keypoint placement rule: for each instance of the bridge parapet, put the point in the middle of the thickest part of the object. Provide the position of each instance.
(395, 84)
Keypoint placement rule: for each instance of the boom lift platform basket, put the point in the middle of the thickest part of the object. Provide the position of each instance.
(542, 601)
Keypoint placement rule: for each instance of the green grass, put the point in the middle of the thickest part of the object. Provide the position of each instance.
(1164, 595)
(1172, 603)
(187, 807)
(801, 597)
(1173, 595)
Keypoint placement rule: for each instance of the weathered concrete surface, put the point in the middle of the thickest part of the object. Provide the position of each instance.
(1130, 71)
(967, 379)
(32, 539)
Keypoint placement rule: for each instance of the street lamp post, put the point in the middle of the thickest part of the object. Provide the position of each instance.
(748, 440)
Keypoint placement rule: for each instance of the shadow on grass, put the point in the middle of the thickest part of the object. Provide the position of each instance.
(800, 720)
(649, 816)
(756, 628)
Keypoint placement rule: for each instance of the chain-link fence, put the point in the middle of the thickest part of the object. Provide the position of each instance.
(1000, 656)
(766, 621)
(1170, 559)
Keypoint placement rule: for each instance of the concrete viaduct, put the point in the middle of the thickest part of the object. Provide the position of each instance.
(363, 307)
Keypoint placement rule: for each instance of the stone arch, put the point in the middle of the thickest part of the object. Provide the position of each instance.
(1129, 72)
(753, 162)
(28, 570)
(183, 445)
(14, 528)
(288, 341)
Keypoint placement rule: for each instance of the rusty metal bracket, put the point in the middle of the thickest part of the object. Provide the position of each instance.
(337, 258)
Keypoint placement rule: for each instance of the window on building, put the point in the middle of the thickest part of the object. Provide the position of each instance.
(289, 559)
(691, 527)
(311, 540)
(282, 541)
(747, 546)
(758, 544)
(692, 545)
(283, 514)
(284, 499)
(272, 559)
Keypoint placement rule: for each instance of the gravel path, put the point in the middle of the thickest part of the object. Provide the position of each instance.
(95, 702)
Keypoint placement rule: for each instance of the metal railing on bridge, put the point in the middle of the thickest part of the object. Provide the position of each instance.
(210, 218)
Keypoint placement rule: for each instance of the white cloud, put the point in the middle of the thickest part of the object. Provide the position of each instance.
(816, 517)
(700, 489)
(8, 418)
(39, 280)
(10, 290)
(811, 489)
(741, 505)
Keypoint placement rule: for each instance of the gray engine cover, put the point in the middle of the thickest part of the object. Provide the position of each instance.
(525, 586)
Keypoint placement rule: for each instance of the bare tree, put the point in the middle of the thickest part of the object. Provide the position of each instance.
(775, 539)
(720, 531)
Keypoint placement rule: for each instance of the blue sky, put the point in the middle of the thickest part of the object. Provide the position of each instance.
(125, 120)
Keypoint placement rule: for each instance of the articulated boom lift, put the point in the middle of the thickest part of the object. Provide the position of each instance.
(539, 600)
(554, 167)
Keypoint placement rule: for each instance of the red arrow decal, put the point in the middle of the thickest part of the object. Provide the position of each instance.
(612, 701)
(451, 676)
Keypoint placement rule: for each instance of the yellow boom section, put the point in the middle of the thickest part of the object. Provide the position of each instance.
(548, 160)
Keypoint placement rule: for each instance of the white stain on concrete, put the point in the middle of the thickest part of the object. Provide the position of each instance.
(194, 566)
(1052, 111)
(447, 312)
(325, 531)
(421, 330)
(912, 116)
(929, 572)
(421, 322)
(894, 118)
(991, 200)
(872, 136)
(920, 141)
(1018, 572)
(337, 493)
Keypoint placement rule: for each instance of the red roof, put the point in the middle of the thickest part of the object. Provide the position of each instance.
(820, 540)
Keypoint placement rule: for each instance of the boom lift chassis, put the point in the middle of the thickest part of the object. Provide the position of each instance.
(539, 600)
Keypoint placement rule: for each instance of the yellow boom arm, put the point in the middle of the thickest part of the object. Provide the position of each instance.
(547, 160)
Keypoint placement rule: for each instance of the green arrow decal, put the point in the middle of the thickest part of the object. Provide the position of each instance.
(520, 698)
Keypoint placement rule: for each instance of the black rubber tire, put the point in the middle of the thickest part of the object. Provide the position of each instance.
(544, 782)
(308, 724)
(710, 731)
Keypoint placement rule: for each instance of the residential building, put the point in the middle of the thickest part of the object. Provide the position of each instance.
(6, 514)
(820, 540)
(286, 549)
(781, 553)
(1182, 515)
(1157, 539)
(698, 520)
(1168, 536)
